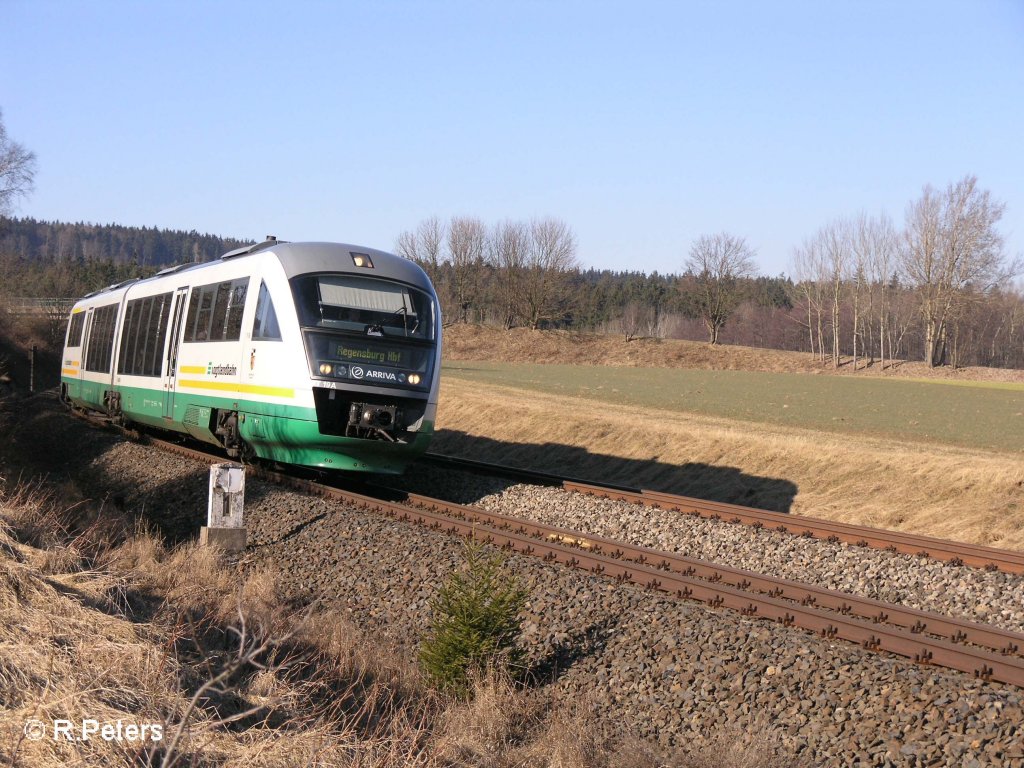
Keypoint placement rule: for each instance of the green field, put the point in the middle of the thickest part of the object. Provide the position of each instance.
(981, 416)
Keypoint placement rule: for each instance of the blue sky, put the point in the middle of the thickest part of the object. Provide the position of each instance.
(643, 125)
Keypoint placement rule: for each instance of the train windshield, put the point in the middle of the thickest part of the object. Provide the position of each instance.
(364, 305)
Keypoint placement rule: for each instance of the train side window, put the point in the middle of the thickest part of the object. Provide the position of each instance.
(101, 339)
(215, 311)
(190, 318)
(129, 332)
(265, 327)
(236, 305)
(220, 311)
(202, 329)
(142, 339)
(161, 316)
(144, 318)
(75, 327)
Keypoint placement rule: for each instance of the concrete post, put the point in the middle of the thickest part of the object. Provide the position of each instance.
(225, 525)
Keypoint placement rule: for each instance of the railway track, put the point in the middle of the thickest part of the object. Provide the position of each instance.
(987, 652)
(957, 553)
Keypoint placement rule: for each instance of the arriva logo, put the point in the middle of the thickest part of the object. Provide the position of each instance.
(357, 372)
(386, 375)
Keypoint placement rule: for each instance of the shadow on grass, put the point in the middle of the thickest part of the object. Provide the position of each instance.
(703, 481)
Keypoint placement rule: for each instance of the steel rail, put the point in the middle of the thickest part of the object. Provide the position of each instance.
(731, 588)
(917, 621)
(954, 552)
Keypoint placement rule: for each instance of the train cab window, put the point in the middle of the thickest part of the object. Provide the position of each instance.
(364, 305)
(215, 311)
(101, 339)
(264, 326)
(75, 327)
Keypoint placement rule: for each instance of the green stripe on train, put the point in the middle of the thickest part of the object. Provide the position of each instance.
(285, 433)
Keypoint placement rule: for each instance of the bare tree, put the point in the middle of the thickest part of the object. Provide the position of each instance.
(551, 256)
(424, 245)
(430, 235)
(634, 316)
(952, 250)
(718, 264)
(510, 247)
(17, 170)
(807, 272)
(408, 246)
(467, 239)
(835, 242)
(875, 249)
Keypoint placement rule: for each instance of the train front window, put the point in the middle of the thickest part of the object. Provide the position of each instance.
(364, 305)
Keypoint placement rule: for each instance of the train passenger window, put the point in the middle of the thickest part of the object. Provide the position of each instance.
(220, 311)
(75, 327)
(236, 305)
(143, 335)
(202, 329)
(265, 327)
(158, 334)
(190, 318)
(101, 339)
(215, 311)
(128, 336)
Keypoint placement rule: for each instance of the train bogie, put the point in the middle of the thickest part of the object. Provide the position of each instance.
(316, 354)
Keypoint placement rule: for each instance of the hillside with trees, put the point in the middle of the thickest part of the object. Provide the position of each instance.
(862, 293)
(57, 259)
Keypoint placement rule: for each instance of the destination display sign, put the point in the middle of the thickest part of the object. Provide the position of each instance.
(359, 353)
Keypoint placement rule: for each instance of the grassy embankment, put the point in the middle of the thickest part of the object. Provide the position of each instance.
(100, 619)
(907, 451)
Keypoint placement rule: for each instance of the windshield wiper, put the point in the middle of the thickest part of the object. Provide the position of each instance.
(405, 317)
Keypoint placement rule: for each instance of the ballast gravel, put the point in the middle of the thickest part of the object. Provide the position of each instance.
(988, 597)
(668, 671)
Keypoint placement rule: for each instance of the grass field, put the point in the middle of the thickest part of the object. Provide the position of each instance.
(924, 486)
(986, 415)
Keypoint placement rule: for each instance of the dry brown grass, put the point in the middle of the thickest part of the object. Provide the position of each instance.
(135, 631)
(971, 495)
(98, 619)
(521, 345)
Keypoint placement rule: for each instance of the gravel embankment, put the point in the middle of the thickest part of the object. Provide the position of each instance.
(668, 671)
(988, 597)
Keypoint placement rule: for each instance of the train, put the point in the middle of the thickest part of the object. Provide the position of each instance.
(321, 355)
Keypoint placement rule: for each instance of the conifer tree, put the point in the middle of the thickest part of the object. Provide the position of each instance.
(476, 621)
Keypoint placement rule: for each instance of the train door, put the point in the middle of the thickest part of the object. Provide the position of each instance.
(76, 390)
(171, 371)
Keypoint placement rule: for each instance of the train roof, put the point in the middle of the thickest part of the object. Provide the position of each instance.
(303, 258)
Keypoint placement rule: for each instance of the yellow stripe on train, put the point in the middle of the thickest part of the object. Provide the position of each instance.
(230, 386)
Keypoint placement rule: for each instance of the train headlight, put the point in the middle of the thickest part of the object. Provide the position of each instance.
(414, 378)
(326, 368)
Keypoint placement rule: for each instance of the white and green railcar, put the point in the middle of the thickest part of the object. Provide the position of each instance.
(315, 354)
